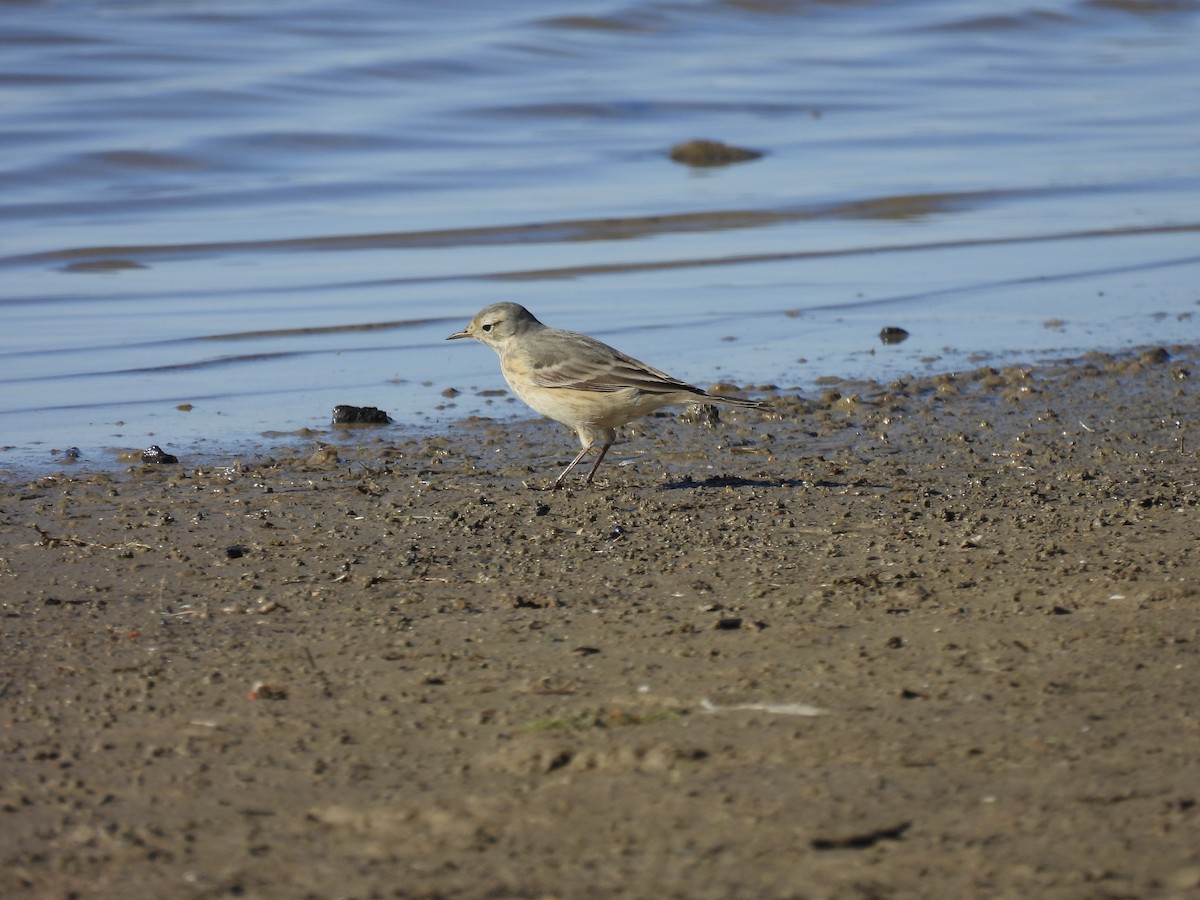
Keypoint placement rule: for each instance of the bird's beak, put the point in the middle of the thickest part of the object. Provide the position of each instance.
(459, 334)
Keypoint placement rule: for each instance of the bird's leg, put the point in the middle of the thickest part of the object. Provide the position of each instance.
(558, 482)
(599, 459)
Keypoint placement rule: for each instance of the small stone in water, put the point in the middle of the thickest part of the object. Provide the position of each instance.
(156, 454)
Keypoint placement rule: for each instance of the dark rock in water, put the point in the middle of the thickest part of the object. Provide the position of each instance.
(360, 415)
(893, 335)
(703, 153)
(70, 454)
(156, 454)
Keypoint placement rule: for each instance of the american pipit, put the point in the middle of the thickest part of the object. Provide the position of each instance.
(576, 379)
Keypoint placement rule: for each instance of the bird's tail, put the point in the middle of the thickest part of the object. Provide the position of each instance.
(737, 401)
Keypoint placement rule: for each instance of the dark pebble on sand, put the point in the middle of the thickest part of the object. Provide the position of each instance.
(359, 415)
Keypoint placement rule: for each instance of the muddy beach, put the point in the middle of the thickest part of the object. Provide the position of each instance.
(931, 638)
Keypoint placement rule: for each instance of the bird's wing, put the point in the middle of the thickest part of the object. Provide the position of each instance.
(562, 359)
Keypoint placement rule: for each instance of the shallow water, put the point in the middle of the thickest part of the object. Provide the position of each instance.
(262, 210)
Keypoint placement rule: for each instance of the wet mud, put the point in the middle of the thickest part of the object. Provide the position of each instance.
(931, 638)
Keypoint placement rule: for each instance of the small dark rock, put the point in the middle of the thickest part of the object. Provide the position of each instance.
(155, 454)
(264, 691)
(860, 840)
(701, 153)
(728, 623)
(893, 334)
(235, 551)
(360, 415)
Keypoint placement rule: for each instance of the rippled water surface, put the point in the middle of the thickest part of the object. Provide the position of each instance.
(260, 210)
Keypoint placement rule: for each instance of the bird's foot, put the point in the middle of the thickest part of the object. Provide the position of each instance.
(552, 486)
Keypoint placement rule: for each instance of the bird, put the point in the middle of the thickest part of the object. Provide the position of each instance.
(577, 380)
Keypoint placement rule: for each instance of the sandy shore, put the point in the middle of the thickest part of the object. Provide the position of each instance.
(932, 638)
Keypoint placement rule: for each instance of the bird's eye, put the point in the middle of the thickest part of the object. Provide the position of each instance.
(487, 327)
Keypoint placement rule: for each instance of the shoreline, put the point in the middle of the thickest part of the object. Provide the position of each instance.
(936, 637)
(207, 452)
